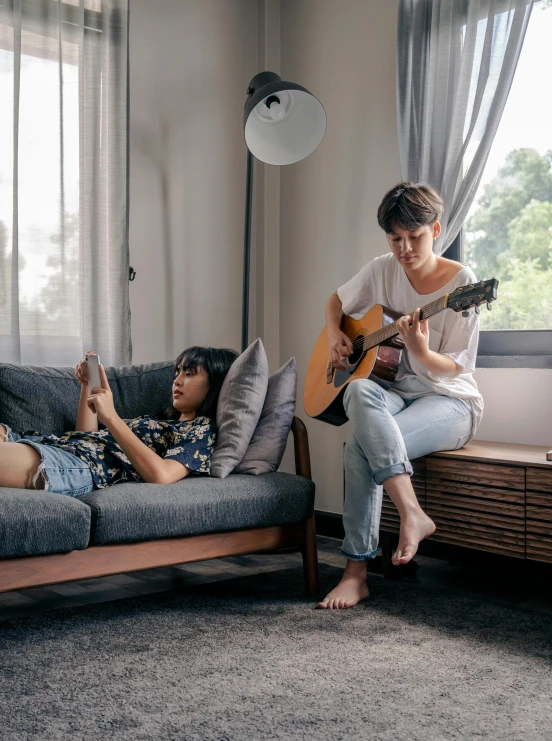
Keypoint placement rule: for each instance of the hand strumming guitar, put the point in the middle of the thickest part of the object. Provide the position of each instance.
(340, 346)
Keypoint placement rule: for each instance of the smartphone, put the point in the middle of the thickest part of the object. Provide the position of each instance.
(93, 363)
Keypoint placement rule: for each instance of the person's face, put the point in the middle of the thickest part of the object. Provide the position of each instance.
(412, 249)
(190, 388)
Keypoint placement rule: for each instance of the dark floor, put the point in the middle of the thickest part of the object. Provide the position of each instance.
(503, 581)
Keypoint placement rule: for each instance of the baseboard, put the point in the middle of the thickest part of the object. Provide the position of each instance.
(329, 524)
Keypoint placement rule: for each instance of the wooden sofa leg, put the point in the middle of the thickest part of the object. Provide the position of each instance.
(310, 558)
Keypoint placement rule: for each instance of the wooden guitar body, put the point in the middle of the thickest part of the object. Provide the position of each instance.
(324, 400)
(377, 349)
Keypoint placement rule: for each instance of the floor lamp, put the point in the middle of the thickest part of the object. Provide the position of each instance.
(283, 123)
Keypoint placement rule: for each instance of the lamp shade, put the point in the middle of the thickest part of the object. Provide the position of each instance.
(283, 122)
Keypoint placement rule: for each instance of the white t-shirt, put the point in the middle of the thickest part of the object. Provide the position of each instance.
(384, 281)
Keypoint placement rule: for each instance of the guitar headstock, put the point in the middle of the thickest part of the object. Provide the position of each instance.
(473, 294)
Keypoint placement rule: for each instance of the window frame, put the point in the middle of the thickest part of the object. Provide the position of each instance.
(507, 348)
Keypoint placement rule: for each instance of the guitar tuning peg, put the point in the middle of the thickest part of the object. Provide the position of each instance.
(477, 310)
(465, 312)
(489, 305)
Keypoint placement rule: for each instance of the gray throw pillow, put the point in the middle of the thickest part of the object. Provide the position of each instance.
(268, 444)
(239, 407)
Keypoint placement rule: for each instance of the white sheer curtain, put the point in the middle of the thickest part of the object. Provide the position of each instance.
(456, 60)
(63, 181)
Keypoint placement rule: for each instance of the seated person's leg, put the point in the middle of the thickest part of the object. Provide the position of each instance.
(427, 425)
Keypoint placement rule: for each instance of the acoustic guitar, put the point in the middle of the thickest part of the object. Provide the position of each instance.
(377, 348)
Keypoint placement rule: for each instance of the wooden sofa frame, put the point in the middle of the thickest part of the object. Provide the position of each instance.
(103, 560)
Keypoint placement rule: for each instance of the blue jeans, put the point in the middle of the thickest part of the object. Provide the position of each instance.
(387, 431)
(59, 471)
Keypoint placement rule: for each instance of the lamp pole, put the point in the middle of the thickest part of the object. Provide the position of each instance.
(263, 78)
(247, 250)
(283, 123)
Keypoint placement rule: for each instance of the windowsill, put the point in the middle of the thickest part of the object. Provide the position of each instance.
(514, 361)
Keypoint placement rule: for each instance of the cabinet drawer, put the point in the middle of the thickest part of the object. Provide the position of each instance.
(539, 500)
(478, 513)
(497, 499)
(539, 514)
(535, 511)
(539, 547)
(481, 539)
(477, 474)
(539, 479)
(463, 518)
(477, 505)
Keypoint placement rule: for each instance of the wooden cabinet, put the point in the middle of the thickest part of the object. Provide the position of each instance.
(477, 505)
(487, 496)
(539, 514)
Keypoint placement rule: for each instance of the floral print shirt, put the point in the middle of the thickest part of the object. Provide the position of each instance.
(189, 442)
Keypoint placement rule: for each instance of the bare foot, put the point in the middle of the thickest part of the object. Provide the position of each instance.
(414, 527)
(351, 589)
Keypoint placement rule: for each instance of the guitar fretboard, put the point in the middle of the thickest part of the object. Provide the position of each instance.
(390, 330)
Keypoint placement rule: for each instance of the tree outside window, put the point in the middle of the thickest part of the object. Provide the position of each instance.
(508, 233)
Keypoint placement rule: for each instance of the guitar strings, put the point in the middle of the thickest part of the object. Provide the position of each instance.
(390, 330)
(380, 335)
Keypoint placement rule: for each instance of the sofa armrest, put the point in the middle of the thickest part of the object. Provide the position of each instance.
(301, 444)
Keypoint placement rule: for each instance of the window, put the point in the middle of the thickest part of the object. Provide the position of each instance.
(47, 187)
(63, 181)
(508, 231)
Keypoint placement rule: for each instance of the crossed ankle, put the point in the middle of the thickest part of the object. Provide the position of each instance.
(413, 509)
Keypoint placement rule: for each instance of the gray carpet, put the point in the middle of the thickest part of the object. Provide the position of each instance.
(252, 659)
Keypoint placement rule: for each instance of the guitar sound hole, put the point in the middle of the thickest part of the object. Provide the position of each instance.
(357, 352)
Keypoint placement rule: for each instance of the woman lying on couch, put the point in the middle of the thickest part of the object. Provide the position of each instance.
(158, 449)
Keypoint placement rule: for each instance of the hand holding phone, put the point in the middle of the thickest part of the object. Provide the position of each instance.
(93, 366)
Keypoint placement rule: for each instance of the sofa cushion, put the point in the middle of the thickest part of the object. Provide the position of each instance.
(268, 444)
(239, 407)
(46, 399)
(132, 512)
(33, 523)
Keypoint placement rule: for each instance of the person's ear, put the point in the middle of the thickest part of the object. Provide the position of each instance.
(436, 229)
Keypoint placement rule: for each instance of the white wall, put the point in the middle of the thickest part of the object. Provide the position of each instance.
(190, 62)
(518, 405)
(344, 53)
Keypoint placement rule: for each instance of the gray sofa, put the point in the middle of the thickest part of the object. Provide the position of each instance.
(47, 538)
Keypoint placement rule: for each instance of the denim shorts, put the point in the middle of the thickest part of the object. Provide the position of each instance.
(60, 471)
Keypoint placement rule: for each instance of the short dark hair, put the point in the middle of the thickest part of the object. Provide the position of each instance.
(216, 362)
(409, 206)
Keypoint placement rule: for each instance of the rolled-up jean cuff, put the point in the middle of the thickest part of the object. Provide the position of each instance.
(385, 473)
(355, 557)
(10, 437)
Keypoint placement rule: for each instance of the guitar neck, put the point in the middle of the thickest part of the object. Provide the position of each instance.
(390, 330)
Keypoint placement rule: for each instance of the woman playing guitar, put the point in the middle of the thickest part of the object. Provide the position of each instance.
(432, 405)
